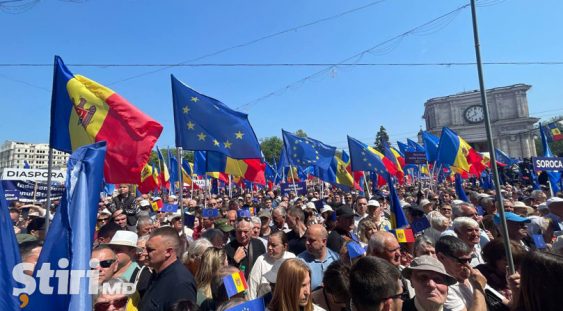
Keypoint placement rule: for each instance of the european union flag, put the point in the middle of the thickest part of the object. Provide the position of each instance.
(363, 159)
(204, 123)
(416, 146)
(251, 305)
(404, 147)
(504, 158)
(305, 151)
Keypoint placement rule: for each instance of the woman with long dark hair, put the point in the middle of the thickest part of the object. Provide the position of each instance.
(541, 274)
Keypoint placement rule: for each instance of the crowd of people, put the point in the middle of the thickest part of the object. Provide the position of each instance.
(328, 249)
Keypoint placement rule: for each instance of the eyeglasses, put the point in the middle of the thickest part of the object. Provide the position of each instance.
(462, 261)
(117, 303)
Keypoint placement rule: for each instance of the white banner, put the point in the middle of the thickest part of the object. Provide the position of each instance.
(32, 174)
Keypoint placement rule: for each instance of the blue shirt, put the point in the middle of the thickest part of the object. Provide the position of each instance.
(317, 266)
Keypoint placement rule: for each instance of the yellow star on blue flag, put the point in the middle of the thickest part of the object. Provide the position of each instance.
(306, 151)
(206, 124)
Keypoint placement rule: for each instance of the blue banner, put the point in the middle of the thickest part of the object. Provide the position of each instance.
(299, 189)
(23, 191)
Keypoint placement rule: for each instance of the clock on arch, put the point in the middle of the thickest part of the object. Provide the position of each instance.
(474, 114)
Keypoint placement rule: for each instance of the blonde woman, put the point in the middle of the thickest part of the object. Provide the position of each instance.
(366, 228)
(211, 260)
(293, 288)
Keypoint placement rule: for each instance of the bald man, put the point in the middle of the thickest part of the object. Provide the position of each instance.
(163, 247)
(317, 256)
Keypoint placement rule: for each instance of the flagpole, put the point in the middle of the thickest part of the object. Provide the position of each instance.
(48, 207)
(366, 185)
(322, 189)
(490, 142)
(293, 179)
(230, 186)
(181, 184)
(208, 188)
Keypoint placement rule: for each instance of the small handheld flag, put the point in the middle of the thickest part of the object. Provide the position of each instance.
(404, 235)
(243, 213)
(235, 283)
(251, 305)
(210, 213)
(420, 224)
(169, 208)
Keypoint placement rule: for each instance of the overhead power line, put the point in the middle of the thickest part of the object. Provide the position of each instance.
(431, 64)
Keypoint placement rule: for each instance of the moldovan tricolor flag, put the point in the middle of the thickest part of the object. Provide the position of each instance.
(84, 112)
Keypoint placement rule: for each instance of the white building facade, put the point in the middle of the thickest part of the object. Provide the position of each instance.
(15, 154)
(512, 126)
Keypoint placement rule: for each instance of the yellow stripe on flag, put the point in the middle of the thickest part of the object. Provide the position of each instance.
(88, 98)
(400, 233)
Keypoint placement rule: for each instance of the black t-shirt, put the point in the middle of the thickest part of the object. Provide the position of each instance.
(160, 297)
(295, 243)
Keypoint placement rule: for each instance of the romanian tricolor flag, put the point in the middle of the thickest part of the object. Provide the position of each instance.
(454, 151)
(84, 112)
(235, 283)
(165, 175)
(250, 169)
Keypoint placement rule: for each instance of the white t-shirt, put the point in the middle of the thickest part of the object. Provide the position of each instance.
(460, 296)
(257, 283)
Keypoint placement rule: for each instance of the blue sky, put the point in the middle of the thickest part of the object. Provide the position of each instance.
(345, 100)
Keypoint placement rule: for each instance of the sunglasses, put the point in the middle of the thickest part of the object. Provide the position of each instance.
(103, 219)
(117, 303)
(463, 261)
(244, 218)
(106, 263)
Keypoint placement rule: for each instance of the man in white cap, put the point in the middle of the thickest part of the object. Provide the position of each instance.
(124, 244)
(375, 214)
(430, 281)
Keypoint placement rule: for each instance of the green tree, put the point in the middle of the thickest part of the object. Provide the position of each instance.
(271, 147)
(381, 137)
(187, 155)
(300, 133)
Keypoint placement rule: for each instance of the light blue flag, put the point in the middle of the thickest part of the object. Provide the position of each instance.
(68, 244)
(10, 256)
